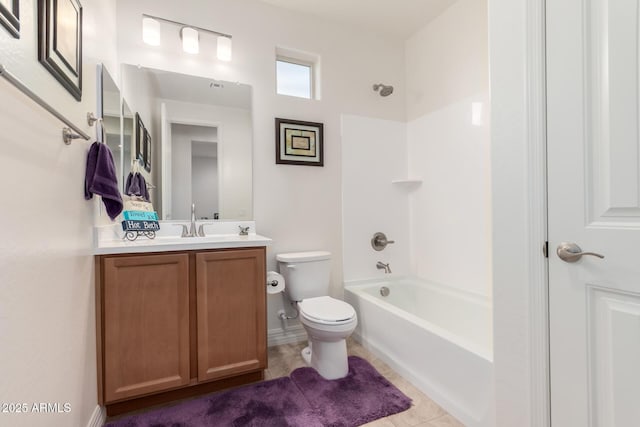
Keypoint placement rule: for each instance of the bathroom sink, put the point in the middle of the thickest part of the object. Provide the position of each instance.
(108, 240)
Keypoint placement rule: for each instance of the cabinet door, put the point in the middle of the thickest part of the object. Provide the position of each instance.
(231, 312)
(146, 324)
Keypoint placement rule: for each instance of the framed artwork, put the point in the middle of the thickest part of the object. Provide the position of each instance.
(147, 151)
(299, 143)
(60, 42)
(140, 136)
(10, 16)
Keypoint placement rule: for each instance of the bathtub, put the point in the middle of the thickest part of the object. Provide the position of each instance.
(437, 338)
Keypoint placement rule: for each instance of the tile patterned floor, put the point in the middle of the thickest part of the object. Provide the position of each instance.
(423, 413)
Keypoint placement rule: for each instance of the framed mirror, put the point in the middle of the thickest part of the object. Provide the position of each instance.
(199, 143)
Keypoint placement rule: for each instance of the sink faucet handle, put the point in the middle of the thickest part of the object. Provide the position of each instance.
(185, 232)
(201, 231)
(244, 231)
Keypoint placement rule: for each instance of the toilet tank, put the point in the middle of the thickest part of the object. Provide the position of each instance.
(306, 274)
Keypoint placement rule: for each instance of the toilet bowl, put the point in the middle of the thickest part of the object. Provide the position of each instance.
(327, 321)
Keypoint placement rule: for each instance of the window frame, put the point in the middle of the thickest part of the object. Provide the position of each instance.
(312, 74)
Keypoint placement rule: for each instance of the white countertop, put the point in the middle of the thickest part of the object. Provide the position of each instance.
(109, 241)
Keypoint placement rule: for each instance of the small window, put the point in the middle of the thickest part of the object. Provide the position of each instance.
(294, 78)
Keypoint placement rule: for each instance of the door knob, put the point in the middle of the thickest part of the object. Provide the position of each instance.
(570, 252)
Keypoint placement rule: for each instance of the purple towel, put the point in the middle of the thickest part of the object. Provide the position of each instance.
(101, 179)
(137, 186)
(132, 187)
(143, 188)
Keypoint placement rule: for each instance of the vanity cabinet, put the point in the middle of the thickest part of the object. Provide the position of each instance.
(146, 324)
(231, 313)
(177, 324)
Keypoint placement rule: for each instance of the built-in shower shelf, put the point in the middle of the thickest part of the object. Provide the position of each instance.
(408, 182)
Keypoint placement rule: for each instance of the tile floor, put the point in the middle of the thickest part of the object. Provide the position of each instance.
(423, 413)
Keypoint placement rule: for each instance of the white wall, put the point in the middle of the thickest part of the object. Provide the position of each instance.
(47, 315)
(374, 153)
(510, 26)
(299, 207)
(447, 70)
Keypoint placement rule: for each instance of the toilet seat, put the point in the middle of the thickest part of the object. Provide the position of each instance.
(326, 310)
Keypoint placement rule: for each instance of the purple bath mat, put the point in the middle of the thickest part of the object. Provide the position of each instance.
(269, 403)
(362, 396)
(303, 400)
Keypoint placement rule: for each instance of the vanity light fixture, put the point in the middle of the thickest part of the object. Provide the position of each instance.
(190, 35)
(224, 48)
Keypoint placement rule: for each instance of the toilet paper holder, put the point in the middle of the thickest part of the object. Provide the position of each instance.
(273, 283)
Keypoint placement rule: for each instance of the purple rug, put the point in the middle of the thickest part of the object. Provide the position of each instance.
(304, 399)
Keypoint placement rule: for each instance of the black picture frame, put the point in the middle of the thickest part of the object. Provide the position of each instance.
(147, 151)
(299, 143)
(140, 135)
(60, 47)
(10, 16)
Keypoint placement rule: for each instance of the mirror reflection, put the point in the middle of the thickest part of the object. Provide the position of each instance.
(109, 111)
(127, 141)
(201, 135)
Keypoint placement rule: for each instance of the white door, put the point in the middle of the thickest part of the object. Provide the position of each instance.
(594, 201)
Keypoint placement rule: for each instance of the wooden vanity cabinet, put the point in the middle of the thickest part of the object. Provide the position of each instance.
(231, 313)
(146, 324)
(176, 324)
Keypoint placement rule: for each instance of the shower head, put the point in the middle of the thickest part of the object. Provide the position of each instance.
(384, 89)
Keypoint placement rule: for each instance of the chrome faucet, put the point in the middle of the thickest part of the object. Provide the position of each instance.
(382, 266)
(192, 228)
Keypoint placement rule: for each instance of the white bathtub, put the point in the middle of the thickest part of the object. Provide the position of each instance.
(437, 338)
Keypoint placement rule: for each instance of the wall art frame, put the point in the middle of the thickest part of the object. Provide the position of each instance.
(60, 42)
(10, 16)
(147, 151)
(299, 143)
(140, 139)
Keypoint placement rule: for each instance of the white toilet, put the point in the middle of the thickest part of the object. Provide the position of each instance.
(328, 321)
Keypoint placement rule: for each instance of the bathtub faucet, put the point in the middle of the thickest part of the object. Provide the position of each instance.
(382, 266)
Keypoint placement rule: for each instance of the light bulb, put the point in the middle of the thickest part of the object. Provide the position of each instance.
(190, 40)
(224, 48)
(150, 31)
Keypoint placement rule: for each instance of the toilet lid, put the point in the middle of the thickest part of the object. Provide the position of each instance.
(326, 309)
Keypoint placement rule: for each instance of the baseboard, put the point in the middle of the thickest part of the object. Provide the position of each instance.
(280, 336)
(98, 417)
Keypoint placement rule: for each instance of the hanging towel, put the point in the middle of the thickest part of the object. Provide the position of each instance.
(144, 190)
(132, 187)
(101, 179)
(137, 186)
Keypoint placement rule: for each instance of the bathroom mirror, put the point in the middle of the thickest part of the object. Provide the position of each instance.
(109, 111)
(201, 133)
(127, 140)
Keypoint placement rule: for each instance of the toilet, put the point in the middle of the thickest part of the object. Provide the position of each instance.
(328, 321)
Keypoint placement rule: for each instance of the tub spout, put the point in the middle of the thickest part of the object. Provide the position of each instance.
(382, 266)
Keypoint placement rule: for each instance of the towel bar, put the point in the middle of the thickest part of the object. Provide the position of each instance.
(70, 132)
